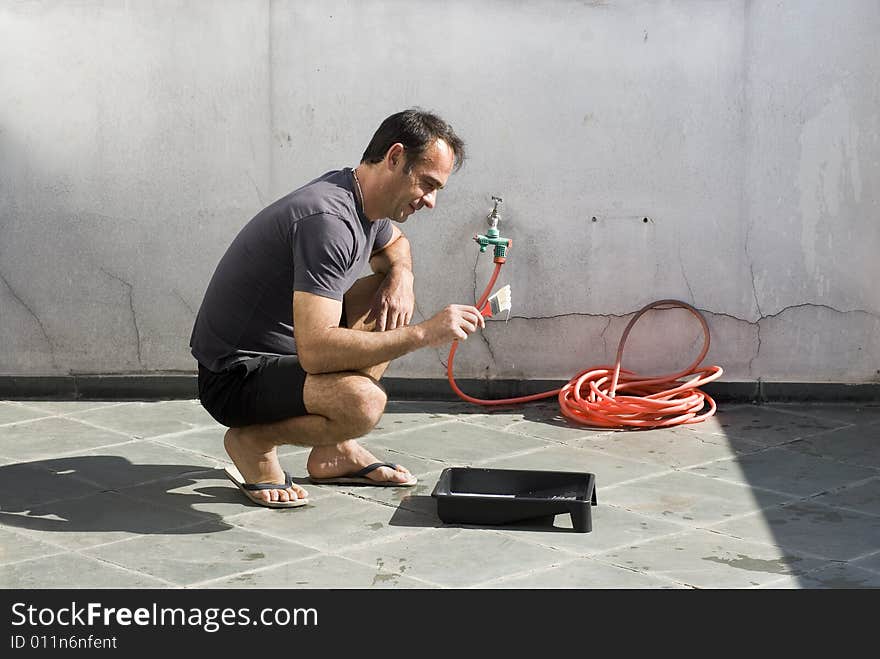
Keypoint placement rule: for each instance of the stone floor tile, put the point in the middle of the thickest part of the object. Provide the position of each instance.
(208, 441)
(856, 445)
(396, 497)
(869, 562)
(807, 527)
(24, 485)
(455, 557)
(72, 571)
(704, 559)
(443, 407)
(460, 444)
(585, 574)
(560, 431)
(150, 419)
(323, 571)
(49, 438)
(674, 448)
(836, 575)
(19, 547)
(97, 519)
(689, 499)
(333, 523)
(840, 413)
(207, 551)
(133, 463)
(14, 413)
(785, 471)
(391, 451)
(761, 424)
(207, 494)
(394, 421)
(505, 416)
(608, 469)
(62, 407)
(611, 527)
(864, 498)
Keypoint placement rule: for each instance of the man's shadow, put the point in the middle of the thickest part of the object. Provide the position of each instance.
(98, 493)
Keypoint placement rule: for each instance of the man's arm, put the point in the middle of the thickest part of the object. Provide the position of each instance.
(395, 299)
(324, 347)
(394, 255)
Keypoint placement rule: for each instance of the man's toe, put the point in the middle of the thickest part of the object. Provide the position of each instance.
(292, 493)
(399, 475)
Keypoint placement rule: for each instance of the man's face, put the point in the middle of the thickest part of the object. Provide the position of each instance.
(412, 190)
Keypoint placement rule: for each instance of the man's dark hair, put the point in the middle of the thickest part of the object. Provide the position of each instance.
(416, 130)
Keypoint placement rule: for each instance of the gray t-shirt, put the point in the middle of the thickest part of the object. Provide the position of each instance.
(316, 239)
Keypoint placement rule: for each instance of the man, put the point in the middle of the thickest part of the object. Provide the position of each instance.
(291, 343)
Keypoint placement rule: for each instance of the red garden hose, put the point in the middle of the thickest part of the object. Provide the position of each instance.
(591, 397)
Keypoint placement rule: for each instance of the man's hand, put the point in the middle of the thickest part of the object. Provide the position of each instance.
(394, 302)
(453, 323)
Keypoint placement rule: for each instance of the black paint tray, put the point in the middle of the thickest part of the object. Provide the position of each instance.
(469, 495)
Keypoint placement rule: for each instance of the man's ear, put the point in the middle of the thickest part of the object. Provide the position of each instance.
(395, 155)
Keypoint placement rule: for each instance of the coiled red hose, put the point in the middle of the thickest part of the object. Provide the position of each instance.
(593, 397)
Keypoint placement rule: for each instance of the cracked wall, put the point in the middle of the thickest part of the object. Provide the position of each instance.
(725, 154)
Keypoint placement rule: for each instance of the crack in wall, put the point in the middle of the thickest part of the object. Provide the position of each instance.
(436, 350)
(35, 317)
(604, 338)
(817, 306)
(418, 310)
(755, 323)
(752, 270)
(186, 304)
(137, 332)
(755, 291)
(757, 348)
(685, 277)
(476, 263)
(256, 188)
(721, 314)
(482, 334)
(491, 352)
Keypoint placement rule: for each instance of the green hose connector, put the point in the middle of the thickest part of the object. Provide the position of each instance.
(493, 237)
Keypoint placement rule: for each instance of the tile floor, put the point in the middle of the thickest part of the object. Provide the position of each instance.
(132, 495)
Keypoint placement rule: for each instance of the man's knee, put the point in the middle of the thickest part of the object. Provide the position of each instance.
(362, 405)
(368, 409)
(373, 407)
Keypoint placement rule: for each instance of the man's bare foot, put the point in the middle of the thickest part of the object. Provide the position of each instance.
(258, 463)
(334, 460)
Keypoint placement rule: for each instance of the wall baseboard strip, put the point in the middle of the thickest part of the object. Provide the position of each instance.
(184, 386)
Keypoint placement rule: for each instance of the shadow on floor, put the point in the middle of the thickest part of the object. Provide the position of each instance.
(108, 493)
(426, 517)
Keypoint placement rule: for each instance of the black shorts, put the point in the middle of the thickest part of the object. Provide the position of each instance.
(259, 390)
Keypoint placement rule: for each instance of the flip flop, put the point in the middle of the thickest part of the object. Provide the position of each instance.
(360, 478)
(233, 474)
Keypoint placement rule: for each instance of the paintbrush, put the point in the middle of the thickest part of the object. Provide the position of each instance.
(499, 302)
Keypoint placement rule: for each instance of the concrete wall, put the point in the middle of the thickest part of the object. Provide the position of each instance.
(137, 137)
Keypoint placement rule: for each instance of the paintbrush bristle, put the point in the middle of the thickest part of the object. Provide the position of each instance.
(500, 301)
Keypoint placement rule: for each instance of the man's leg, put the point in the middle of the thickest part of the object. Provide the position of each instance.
(341, 407)
(321, 396)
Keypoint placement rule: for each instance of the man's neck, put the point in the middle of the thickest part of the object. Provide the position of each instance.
(369, 187)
